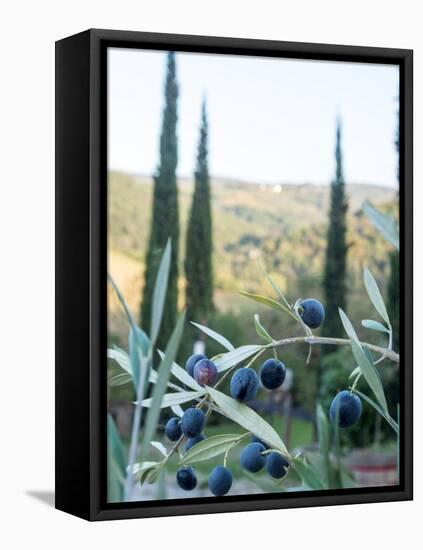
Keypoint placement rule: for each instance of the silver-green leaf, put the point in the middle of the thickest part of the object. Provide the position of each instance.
(120, 379)
(348, 327)
(375, 295)
(248, 419)
(115, 445)
(232, 358)
(383, 223)
(374, 325)
(269, 302)
(178, 410)
(324, 441)
(175, 398)
(210, 447)
(138, 349)
(366, 365)
(309, 476)
(160, 386)
(215, 336)
(261, 331)
(146, 471)
(159, 293)
(159, 446)
(121, 358)
(384, 414)
(275, 287)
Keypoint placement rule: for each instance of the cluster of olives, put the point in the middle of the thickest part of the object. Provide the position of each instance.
(220, 479)
(191, 426)
(254, 458)
(245, 382)
(244, 385)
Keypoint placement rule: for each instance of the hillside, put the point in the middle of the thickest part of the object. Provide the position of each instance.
(283, 225)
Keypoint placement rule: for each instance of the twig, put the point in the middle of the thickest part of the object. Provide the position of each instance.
(311, 340)
(389, 354)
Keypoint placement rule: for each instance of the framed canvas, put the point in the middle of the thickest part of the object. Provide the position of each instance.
(233, 274)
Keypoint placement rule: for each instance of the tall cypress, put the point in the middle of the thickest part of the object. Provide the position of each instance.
(198, 257)
(334, 283)
(165, 216)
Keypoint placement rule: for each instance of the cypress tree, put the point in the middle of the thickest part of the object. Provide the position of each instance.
(198, 257)
(334, 283)
(165, 216)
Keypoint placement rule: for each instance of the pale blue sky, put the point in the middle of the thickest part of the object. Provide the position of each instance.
(271, 120)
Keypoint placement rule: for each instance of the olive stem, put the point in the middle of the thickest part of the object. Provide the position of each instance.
(355, 382)
(389, 354)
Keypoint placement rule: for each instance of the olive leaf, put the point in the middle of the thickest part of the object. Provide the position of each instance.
(121, 358)
(365, 363)
(215, 336)
(383, 223)
(324, 441)
(154, 376)
(232, 358)
(269, 302)
(137, 351)
(339, 479)
(248, 419)
(385, 415)
(175, 398)
(261, 331)
(141, 470)
(159, 446)
(275, 286)
(161, 384)
(119, 379)
(116, 450)
(374, 325)
(210, 447)
(375, 295)
(152, 475)
(159, 293)
(309, 475)
(176, 409)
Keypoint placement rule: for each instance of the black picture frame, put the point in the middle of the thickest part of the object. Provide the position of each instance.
(81, 268)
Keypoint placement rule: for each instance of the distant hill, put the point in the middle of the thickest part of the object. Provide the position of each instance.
(284, 225)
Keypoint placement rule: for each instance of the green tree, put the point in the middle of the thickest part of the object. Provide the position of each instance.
(198, 257)
(165, 216)
(334, 283)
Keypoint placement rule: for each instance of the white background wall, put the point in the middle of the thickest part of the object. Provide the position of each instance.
(28, 32)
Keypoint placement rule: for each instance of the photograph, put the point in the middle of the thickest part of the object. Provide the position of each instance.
(253, 275)
(208, 260)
